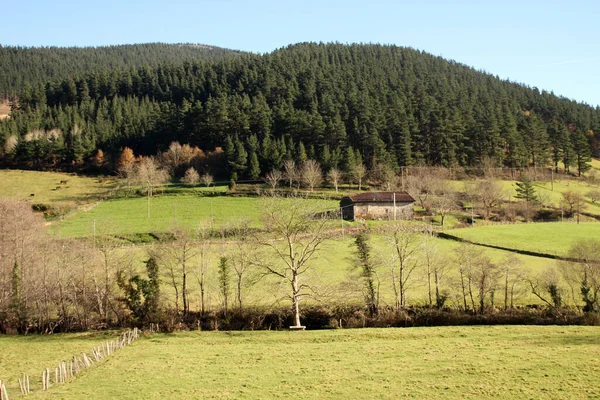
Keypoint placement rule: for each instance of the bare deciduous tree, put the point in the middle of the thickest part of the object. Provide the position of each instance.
(490, 194)
(444, 204)
(594, 195)
(405, 242)
(573, 202)
(191, 177)
(149, 174)
(177, 258)
(201, 246)
(273, 178)
(311, 174)
(334, 176)
(207, 179)
(358, 173)
(244, 260)
(297, 239)
(291, 172)
(513, 276)
(435, 265)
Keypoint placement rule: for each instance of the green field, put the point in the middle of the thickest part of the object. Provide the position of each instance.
(335, 281)
(554, 238)
(130, 215)
(444, 362)
(30, 354)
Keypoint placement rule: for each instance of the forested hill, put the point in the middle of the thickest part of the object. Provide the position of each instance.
(35, 65)
(330, 102)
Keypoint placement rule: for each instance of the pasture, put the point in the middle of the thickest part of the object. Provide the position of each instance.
(50, 187)
(130, 215)
(554, 238)
(442, 362)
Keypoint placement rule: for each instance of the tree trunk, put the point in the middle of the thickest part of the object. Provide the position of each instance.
(506, 291)
(239, 291)
(296, 299)
(464, 292)
(429, 283)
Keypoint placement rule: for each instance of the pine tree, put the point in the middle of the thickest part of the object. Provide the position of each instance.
(525, 190)
(253, 167)
(583, 153)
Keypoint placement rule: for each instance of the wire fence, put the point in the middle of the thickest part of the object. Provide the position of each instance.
(67, 370)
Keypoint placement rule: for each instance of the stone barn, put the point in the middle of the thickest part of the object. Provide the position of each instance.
(377, 205)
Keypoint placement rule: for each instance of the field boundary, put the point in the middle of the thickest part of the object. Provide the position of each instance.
(448, 236)
(66, 370)
(444, 235)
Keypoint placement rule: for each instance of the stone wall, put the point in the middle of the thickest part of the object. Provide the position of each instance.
(383, 210)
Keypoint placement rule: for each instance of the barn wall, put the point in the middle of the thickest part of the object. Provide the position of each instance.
(382, 210)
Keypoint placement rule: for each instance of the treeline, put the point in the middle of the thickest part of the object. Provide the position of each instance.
(392, 105)
(24, 68)
(196, 279)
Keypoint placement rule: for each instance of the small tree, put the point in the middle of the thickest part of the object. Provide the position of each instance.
(253, 167)
(334, 176)
(273, 178)
(491, 195)
(435, 269)
(243, 261)
(311, 174)
(404, 244)
(545, 286)
(142, 296)
(99, 160)
(207, 179)
(10, 144)
(444, 205)
(149, 174)
(512, 274)
(526, 192)
(177, 257)
(191, 177)
(364, 263)
(126, 159)
(593, 195)
(224, 282)
(358, 172)
(573, 203)
(290, 171)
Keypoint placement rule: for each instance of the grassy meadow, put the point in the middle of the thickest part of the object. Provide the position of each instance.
(30, 354)
(512, 362)
(80, 192)
(130, 215)
(554, 238)
(333, 276)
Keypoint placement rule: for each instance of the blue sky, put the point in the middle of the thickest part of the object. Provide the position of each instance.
(554, 45)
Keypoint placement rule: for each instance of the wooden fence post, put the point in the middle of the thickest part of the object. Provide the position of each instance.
(3, 393)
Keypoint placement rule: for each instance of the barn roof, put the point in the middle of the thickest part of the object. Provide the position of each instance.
(381, 197)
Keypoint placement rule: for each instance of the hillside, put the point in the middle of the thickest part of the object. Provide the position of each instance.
(27, 67)
(338, 104)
